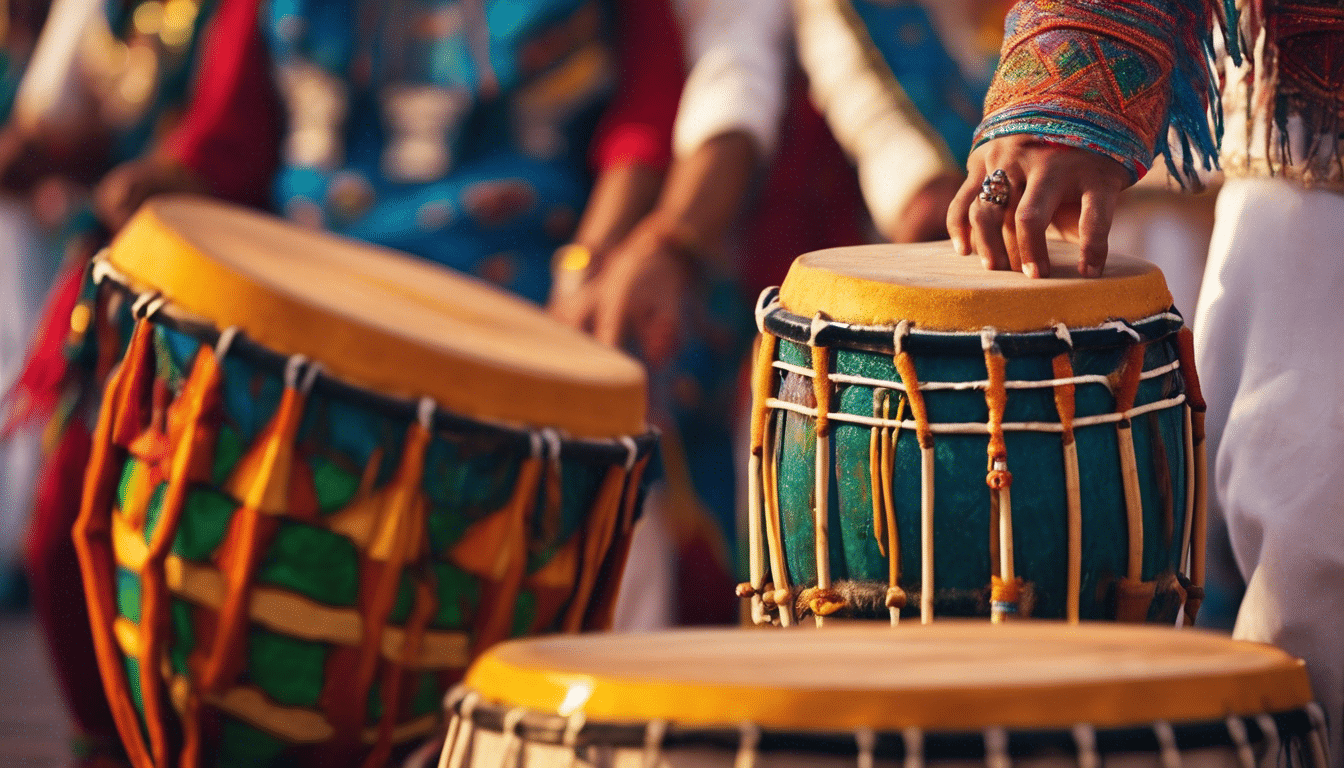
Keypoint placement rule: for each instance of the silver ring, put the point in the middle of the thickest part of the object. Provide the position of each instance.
(995, 188)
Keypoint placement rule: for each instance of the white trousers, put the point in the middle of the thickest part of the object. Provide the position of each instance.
(1270, 351)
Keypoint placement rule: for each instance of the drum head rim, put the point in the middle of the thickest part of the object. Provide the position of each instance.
(156, 254)
(551, 675)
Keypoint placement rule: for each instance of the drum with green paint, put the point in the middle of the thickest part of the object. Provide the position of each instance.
(1048, 465)
(289, 562)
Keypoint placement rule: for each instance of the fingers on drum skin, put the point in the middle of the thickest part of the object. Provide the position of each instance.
(1094, 228)
(1031, 218)
(958, 213)
(987, 234)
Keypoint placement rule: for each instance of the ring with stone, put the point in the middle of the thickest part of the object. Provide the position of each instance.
(995, 188)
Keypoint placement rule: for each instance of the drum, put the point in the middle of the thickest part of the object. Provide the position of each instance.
(324, 477)
(955, 693)
(930, 438)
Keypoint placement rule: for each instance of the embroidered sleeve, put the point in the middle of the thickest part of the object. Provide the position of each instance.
(1130, 79)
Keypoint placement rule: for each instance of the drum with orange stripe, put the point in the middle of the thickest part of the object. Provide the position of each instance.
(326, 476)
(955, 694)
(930, 438)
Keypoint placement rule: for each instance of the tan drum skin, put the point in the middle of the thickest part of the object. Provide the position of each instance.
(950, 675)
(935, 289)
(379, 319)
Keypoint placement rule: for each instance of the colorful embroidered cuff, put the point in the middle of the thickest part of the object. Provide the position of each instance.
(1072, 130)
(1112, 77)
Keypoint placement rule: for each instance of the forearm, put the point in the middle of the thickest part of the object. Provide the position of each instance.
(621, 197)
(1110, 77)
(704, 192)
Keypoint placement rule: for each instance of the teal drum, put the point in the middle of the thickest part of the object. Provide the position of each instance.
(932, 439)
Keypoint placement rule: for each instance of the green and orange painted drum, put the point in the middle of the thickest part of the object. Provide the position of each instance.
(325, 477)
(933, 439)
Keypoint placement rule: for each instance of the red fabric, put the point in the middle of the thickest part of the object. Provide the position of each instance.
(810, 199)
(230, 134)
(58, 592)
(39, 387)
(637, 126)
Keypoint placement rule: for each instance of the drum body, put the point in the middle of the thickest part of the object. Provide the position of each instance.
(287, 567)
(1046, 466)
(953, 694)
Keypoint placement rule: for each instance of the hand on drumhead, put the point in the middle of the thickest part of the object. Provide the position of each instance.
(1042, 183)
(633, 296)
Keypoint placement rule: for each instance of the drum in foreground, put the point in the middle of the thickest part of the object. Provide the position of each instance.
(324, 477)
(958, 693)
(930, 438)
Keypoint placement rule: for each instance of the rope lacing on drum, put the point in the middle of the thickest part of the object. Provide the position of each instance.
(996, 748)
(570, 738)
(147, 304)
(1269, 731)
(424, 412)
(766, 302)
(512, 753)
(301, 373)
(225, 341)
(1319, 750)
(749, 738)
(914, 747)
(1123, 327)
(654, 733)
(866, 742)
(1236, 729)
(1085, 741)
(1169, 753)
(467, 714)
(631, 452)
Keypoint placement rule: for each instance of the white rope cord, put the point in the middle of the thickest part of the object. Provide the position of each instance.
(424, 412)
(747, 745)
(866, 741)
(1085, 740)
(962, 386)
(1118, 325)
(766, 303)
(1320, 753)
(143, 300)
(1269, 729)
(914, 747)
(1166, 742)
(451, 700)
(996, 748)
(570, 739)
(631, 452)
(293, 367)
(467, 710)
(653, 742)
(1237, 730)
(225, 342)
(977, 428)
(512, 752)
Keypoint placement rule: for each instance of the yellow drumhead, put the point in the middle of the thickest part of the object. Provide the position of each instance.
(935, 289)
(379, 319)
(945, 676)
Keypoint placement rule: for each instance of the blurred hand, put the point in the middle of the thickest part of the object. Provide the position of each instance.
(127, 186)
(634, 295)
(925, 216)
(1074, 189)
